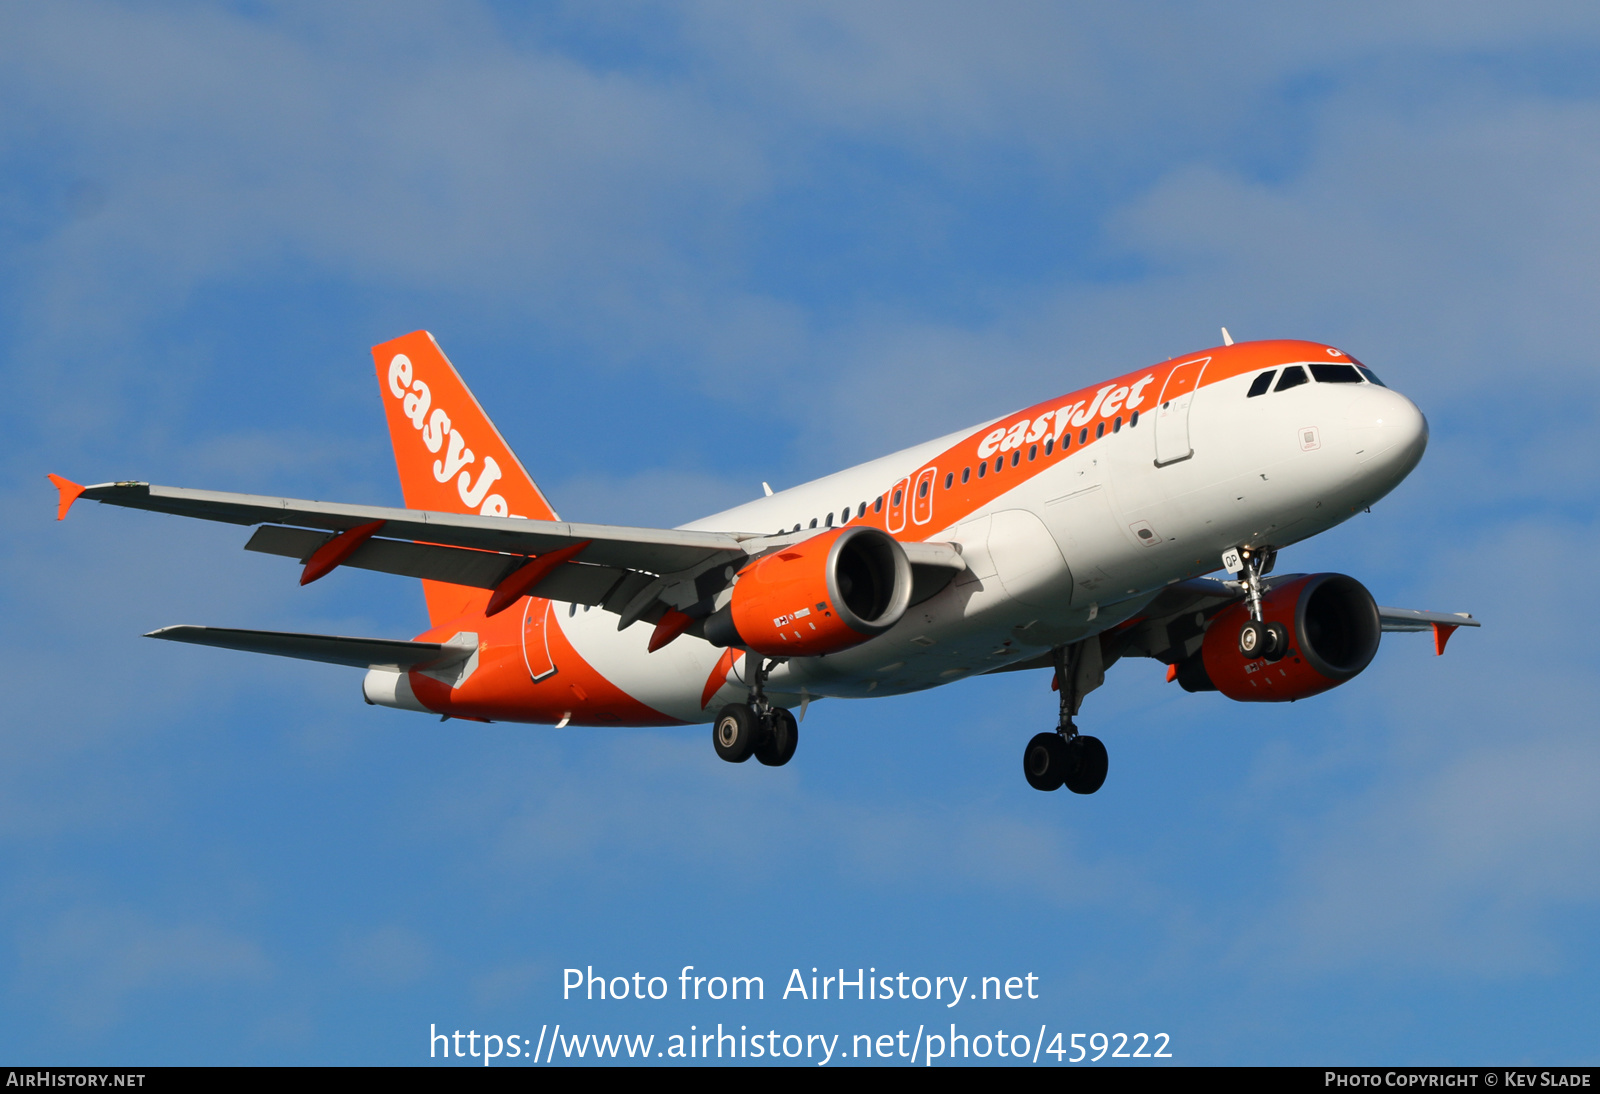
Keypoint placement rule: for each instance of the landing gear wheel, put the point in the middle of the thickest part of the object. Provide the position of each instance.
(1044, 761)
(734, 733)
(1253, 639)
(1086, 764)
(779, 742)
(1277, 642)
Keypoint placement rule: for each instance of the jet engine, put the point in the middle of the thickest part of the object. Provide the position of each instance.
(822, 595)
(1333, 627)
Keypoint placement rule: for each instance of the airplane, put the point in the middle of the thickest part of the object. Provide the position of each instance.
(1064, 536)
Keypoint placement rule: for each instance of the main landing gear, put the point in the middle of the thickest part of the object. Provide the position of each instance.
(1257, 640)
(1067, 757)
(756, 727)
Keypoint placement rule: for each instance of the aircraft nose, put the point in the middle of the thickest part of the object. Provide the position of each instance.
(1390, 434)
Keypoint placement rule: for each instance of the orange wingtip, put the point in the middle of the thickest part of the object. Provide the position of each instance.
(69, 494)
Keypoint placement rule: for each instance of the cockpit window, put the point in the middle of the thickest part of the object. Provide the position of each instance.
(1262, 382)
(1293, 376)
(1335, 374)
(1371, 377)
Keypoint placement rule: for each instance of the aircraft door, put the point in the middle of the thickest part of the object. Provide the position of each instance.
(1172, 412)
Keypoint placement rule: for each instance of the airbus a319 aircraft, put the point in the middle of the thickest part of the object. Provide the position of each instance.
(1064, 536)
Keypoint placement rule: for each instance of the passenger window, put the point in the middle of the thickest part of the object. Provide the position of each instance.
(1116, 427)
(1293, 376)
(1066, 442)
(861, 512)
(1261, 384)
(813, 522)
(966, 473)
(999, 464)
(1372, 377)
(983, 469)
(1099, 430)
(829, 522)
(1133, 421)
(877, 504)
(1083, 436)
(1033, 453)
(844, 517)
(949, 479)
(1049, 446)
(1335, 374)
(896, 497)
(922, 489)
(1016, 457)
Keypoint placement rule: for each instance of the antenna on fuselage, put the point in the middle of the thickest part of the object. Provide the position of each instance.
(767, 488)
(1227, 339)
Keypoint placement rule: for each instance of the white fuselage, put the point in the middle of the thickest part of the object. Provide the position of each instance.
(1068, 552)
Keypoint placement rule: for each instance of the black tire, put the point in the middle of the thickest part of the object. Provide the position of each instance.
(777, 745)
(1277, 642)
(1044, 761)
(1086, 765)
(1252, 640)
(734, 733)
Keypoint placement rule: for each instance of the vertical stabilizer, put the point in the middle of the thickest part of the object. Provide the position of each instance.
(450, 456)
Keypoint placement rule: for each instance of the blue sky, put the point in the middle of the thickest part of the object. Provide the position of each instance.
(678, 250)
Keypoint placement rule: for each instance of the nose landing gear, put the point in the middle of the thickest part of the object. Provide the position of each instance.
(1067, 757)
(1257, 640)
(756, 727)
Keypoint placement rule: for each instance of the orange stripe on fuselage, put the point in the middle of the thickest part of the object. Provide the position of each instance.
(719, 675)
(501, 690)
(1086, 408)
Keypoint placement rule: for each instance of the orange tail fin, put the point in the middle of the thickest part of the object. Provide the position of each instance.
(451, 457)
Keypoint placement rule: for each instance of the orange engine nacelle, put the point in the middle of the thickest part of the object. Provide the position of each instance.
(1333, 634)
(822, 595)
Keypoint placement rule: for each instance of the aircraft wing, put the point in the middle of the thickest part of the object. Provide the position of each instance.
(634, 572)
(626, 570)
(1172, 625)
(654, 549)
(1410, 619)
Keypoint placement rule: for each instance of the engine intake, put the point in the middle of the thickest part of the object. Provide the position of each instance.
(822, 595)
(1333, 628)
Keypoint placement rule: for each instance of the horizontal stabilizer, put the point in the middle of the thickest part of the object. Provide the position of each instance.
(360, 653)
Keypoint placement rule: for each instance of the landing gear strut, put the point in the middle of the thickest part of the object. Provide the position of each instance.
(1067, 757)
(756, 727)
(1257, 640)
